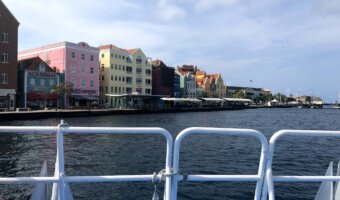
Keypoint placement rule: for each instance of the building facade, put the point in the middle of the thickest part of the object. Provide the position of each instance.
(8, 60)
(177, 85)
(35, 81)
(220, 87)
(80, 64)
(187, 84)
(162, 79)
(123, 71)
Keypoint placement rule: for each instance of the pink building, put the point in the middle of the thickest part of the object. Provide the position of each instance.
(80, 64)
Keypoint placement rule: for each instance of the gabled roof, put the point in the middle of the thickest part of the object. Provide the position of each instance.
(33, 63)
(113, 47)
(10, 13)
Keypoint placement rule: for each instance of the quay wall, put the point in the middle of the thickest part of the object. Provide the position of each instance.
(33, 115)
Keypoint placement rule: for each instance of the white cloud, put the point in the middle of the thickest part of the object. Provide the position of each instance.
(329, 6)
(206, 5)
(170, 12)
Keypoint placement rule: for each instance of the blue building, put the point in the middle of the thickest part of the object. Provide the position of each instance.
(35, 81)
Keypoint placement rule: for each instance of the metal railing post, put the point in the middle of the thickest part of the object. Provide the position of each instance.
(259, 178)
(60, 161)
(269, 171)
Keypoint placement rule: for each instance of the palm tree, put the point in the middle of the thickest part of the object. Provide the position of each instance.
(62, 90)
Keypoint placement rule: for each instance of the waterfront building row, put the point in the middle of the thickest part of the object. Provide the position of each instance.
(98, 75)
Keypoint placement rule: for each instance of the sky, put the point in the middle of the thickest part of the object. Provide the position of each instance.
(288, 46)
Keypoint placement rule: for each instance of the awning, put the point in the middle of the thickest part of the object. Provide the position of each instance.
(180, 99)
(238, 100)
(133, 95)
(86, 97)
(213, 99)
(36, 96)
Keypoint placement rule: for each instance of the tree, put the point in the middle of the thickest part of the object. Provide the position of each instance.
(239, 94)
(62, 90)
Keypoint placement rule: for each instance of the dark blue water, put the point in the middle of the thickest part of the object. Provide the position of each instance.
(22, 155)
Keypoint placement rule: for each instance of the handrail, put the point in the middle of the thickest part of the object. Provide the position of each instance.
(269, 175)
(220, 131)
(60, 178)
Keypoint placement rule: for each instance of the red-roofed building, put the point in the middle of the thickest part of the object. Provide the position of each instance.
(35, 81)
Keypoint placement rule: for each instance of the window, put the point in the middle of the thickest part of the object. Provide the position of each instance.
(147, 81)
(91, 70)
(111, 66)
(4, 78)
(119, 89)
(115, 89)
(123, 57)
(123, 67)
(103, 77)
(91, 83)
(51, 82)
(4, 37)
(115, 78)
(42, 67)
(138, 81)
(111, 78)
(4, 57)
(147, 91)
(73, 81)
(115, 66)
(42, 82)
(82, 83)
(73, 68)
(139, 60)
(119, 78)
(139, 90)
(128, 90)
(73, 55)
(83, 56)
(123, 78)
(116, 56)
(107, 90)
(119, 57)
(138, 70)
(102, 55)
(111, 55)
(92, 58)
(129, 80)
(148, 72)
(83, 69)
(128, 69)
(32, 81)
(119, 67)
(102, 67)
(111, 87)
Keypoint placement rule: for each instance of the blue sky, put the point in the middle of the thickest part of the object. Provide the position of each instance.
(289, 46)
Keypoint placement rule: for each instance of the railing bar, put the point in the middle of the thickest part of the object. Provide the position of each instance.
(19, 180)
(305, 178)
(28, 129)
(235, 178)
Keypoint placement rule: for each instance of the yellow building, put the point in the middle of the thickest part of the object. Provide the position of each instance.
(122, 72)
(211, 85)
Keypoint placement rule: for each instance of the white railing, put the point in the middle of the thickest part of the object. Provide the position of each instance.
(60, 178)
(270, 179)
(220, 131)
(264, 178)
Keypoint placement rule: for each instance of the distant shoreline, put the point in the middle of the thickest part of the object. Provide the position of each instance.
(67, 113)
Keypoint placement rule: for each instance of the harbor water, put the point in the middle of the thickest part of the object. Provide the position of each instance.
(23, 155)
